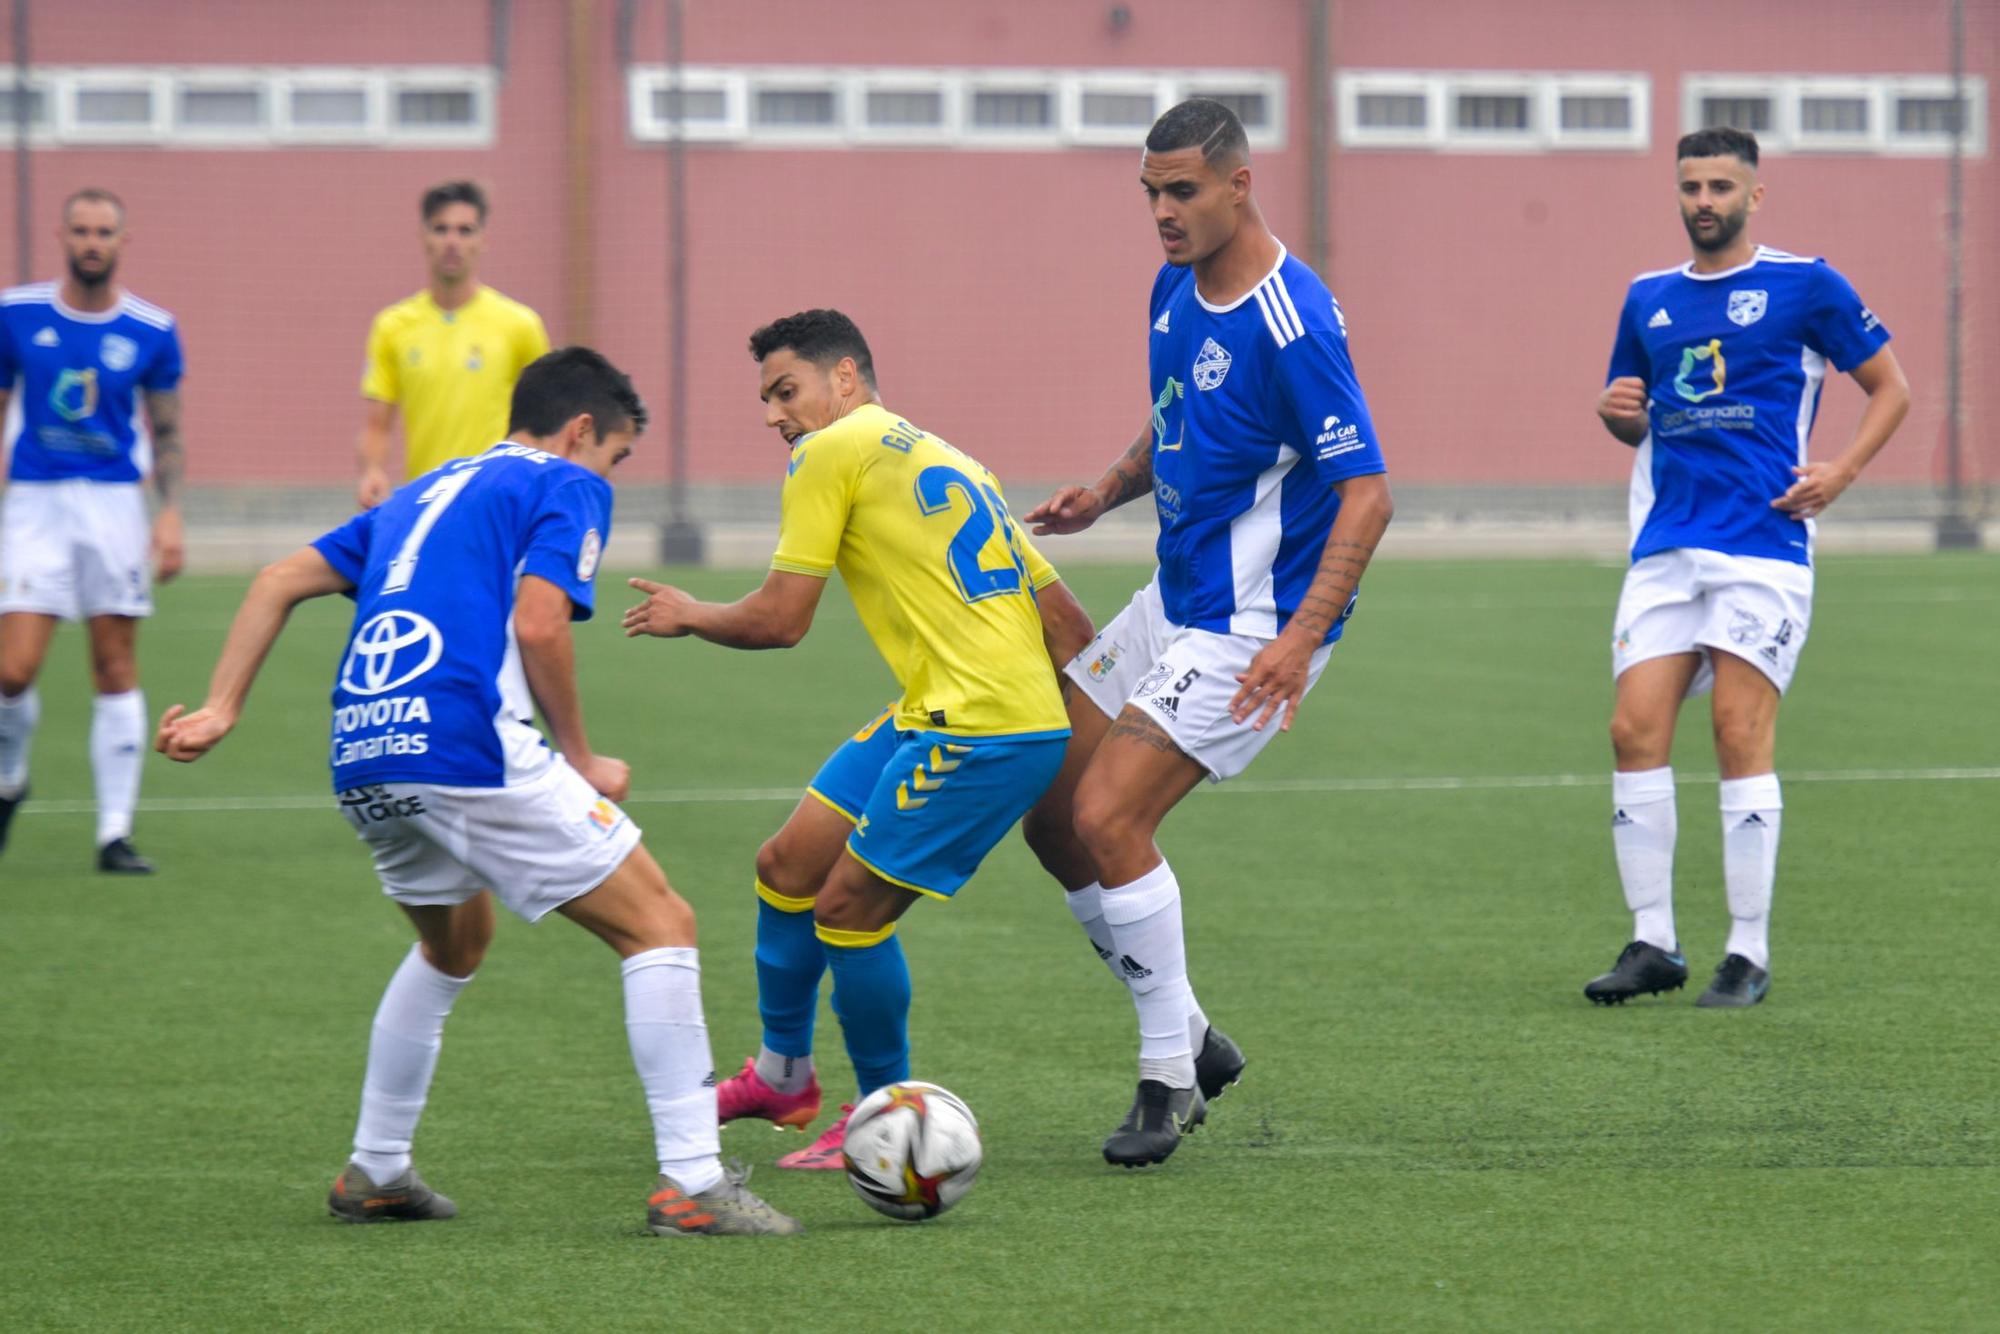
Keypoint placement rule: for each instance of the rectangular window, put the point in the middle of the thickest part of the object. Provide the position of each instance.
(201, 108)
(1736, 113)
(1393, 111)
(110, 108)
(1013, 109)
(690, 104)
(1925, 115)
(1578, 111)
(1107, 110)
(1483, 112)
(38, 107)
(902, 108)
(1833, 115)
(328, 108)
(795, 108)
(434, 107)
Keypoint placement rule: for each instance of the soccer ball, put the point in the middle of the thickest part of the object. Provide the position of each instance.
(912, 1150)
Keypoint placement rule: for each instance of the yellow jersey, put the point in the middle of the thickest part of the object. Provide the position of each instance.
(451, 372)
(942, 577)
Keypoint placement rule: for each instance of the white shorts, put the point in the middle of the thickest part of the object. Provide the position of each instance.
(1181, 678)
(536, 845)
(76, 549)
(1705, 602)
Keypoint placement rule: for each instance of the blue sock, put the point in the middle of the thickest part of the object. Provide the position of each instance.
(871, 994)
(790, 961)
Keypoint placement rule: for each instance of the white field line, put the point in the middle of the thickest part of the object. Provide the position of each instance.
(1247, 787)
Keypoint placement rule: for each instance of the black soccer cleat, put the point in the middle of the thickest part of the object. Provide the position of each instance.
(119, 857)
(1738, 985)
(357, 1198)
(8, 805)
(1152, 1130)
(1641, 970)
(1218, 1064)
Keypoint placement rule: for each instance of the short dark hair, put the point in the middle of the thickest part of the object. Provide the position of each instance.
(822, 337)
(93, 194)
(1719, 141)
(454, 192)
(1204, 123)
(558, 385)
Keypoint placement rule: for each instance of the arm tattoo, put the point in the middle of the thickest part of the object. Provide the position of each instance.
(1137, 726)
(1132, 476)
(1339, 574)
(163, 407)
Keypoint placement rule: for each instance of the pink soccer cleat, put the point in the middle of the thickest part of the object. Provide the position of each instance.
(745, 1094)
(824, 1153)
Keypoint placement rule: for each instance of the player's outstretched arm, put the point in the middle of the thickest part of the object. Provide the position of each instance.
(776, 614)
(1277, 675)
(1820, 484)
(548, 660)
(1622, 409)
(277, 589)
(1075, 508)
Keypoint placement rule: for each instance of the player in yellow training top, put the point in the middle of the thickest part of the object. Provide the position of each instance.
(968, 615)
(447, 357)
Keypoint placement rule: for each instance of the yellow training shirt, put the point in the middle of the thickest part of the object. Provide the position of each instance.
(939, 572)
(451, 372)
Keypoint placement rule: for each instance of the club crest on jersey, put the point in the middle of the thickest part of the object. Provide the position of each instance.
(393, 649)
(117, 352)
(1746, 307)
(1154, 680)
(586, 563)
(1211, 365)
(1746, 627)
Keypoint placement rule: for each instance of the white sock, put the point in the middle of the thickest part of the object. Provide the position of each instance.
(117, 751)
(1087, 906)
(786, 1074)
(1643, 826)
(669, 1037)
(1144, 918)
(18, 717)
(402, 1055)
(1750, 816)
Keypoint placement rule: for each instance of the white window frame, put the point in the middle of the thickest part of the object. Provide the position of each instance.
(1350, 86)
(945, 85)
(1867, 91)
(799, 79)
(1530, 138)
(1881, 92)
(373, 87)
(1636, 89)
(238, 79)
(1697, 88)
(1195, 83)
(73, 83)
(1023, 80)
(642, 81)
(1897, 143)
(38, 135)
(1069, 108)
(475, 79)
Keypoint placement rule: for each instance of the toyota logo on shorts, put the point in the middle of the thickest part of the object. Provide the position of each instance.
(393, 649)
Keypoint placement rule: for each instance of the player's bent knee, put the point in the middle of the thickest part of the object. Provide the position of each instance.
(779, 873)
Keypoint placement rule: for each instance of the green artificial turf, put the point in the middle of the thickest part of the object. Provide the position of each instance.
(1435, 1131)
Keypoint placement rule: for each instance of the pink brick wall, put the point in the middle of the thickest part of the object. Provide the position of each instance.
(1004, 291)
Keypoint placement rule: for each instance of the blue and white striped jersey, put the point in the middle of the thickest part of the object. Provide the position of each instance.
(76, 377)
(1256, 413)
(1734, 362)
